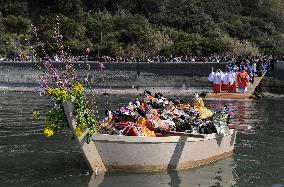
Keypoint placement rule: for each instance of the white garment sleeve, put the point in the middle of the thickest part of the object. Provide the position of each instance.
(211, 76)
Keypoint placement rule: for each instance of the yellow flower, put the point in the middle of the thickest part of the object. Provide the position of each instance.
(49, 91)
(48, 132)
(78, 132)
(82, 125)
(59, 94)
(63, 92)
(35, 114)
(78, 88)
(63, 95)
(56, 93)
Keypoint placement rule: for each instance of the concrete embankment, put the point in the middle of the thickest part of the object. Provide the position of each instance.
(132, 77)
(274, 80)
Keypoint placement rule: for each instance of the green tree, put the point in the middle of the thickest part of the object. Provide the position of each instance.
(17, 24)
(147, 27)
(15, 7)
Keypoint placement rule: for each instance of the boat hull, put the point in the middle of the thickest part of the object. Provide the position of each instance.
(121, 153)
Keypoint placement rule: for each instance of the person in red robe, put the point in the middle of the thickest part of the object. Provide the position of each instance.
(243, 81)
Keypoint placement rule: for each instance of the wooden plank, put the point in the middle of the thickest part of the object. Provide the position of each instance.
(173, 133)
(239, 127)
(257, 81)
(227, 96)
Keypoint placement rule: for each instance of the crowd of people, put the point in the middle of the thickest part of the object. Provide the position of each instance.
(155, 59)
(155, 115)
(18, 58)
(188, 59)
(237, 76)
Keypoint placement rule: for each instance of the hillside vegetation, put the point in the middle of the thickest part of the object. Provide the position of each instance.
(146, 27)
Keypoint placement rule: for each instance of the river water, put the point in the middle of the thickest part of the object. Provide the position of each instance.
(27, 158)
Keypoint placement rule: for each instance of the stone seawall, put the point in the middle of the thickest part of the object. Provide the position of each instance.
(118, 75)
(274, 80)
(131, 75)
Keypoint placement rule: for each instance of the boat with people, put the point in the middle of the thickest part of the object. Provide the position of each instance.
(236, 82)
(156, 133)
(238, 95)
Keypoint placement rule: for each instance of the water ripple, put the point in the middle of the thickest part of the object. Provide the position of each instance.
(27, 158)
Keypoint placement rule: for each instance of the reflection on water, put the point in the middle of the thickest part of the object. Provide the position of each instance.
(29, 159)
(241, 112)
(218, 174)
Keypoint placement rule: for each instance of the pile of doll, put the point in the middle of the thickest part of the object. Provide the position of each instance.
(156, 116)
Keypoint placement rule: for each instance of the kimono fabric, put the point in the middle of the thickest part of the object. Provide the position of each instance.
(243, 81)
(232, 88)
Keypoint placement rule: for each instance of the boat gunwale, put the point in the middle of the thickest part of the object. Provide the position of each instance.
(106, 138)
(226, 99)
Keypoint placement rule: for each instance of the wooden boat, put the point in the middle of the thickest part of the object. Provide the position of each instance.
(132, 153)
(247, 95)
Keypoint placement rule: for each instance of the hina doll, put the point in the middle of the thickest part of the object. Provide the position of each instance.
(198, 104)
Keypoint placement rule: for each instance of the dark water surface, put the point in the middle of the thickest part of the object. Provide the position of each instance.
(27, 158)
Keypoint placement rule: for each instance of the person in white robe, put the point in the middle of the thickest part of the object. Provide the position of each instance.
(225, 82)
(232, 78)
(217, 81)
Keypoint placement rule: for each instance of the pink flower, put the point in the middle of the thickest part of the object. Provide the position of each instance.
(41, 92)
(65, 79)
(52, 71)
(101, 66)
(88, 50)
